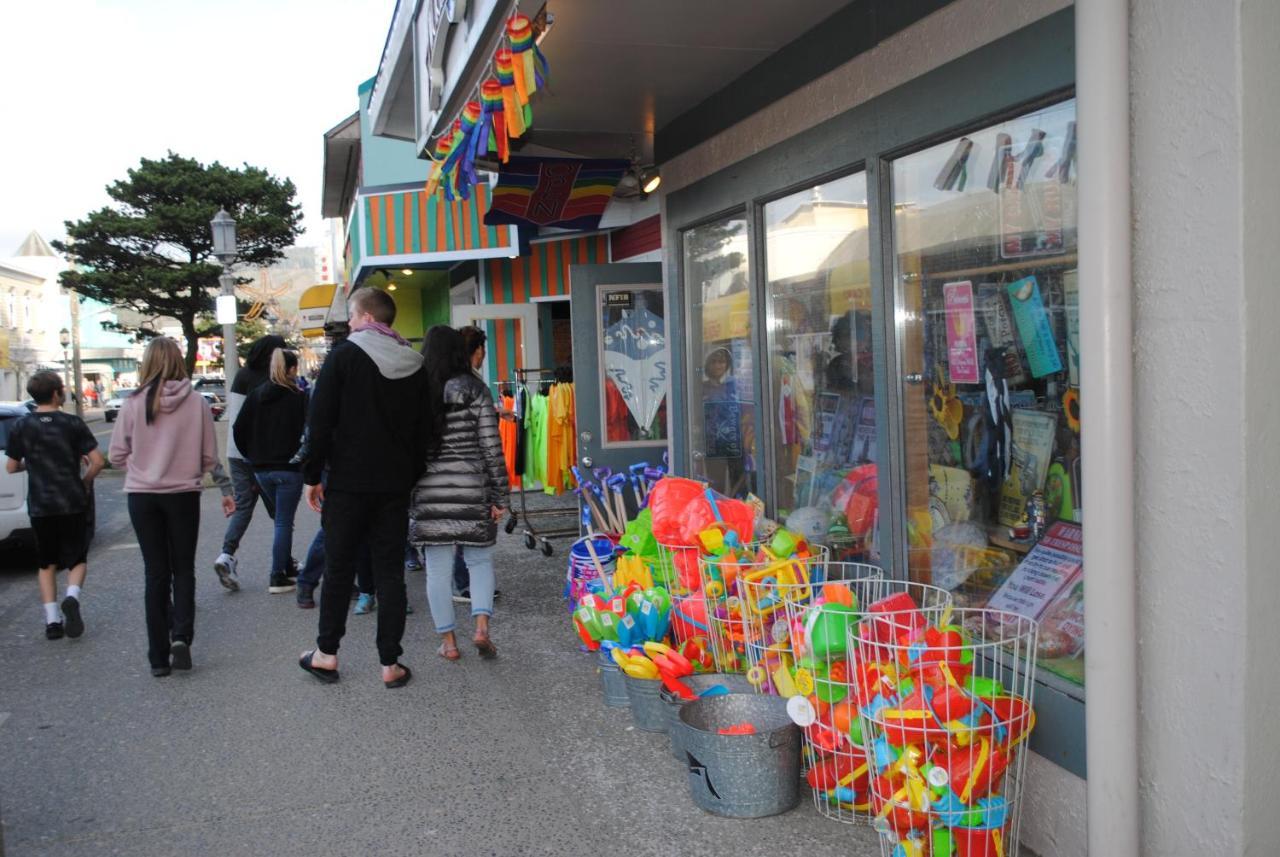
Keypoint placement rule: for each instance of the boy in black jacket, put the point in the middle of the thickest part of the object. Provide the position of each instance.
(368, 427)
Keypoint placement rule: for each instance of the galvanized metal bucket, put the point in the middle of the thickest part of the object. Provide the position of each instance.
(699, 684)
(647, 708)
(611, 682)
(741, 776)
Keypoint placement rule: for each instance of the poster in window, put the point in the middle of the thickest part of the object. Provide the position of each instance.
(1029, 459)
(723, 427)
(962, 343)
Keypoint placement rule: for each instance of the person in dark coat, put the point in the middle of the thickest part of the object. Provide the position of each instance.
(268, 432)
(463, 493)
(367, 429)
(255, 372)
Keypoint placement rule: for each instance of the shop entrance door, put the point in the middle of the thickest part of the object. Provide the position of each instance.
(621, 364)
(511, 331)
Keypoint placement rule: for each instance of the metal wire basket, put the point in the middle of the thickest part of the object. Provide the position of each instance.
(798, 647)
(946, 696)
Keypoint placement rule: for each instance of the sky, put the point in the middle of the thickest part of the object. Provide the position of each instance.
(91, 86)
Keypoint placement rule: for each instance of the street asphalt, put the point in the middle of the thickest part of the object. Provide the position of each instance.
(247, 755)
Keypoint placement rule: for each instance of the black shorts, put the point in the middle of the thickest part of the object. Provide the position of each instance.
(62, 540)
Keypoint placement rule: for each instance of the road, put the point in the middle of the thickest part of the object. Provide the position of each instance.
(246, 755)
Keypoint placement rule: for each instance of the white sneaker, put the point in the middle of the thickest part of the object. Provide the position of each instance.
(225, 566)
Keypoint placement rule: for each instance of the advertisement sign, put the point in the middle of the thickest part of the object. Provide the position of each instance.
(962, 341)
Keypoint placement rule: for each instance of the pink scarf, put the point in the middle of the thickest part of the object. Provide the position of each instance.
(385, 330)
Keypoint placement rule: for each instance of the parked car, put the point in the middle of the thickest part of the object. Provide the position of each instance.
(217, 405)
(113, 405)
(15, 525)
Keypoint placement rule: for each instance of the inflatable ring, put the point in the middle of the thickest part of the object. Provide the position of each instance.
(804, 681)
(714, 589)
(756, 676)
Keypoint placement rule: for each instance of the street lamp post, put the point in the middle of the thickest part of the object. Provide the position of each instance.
(64, 339)
(224, 250)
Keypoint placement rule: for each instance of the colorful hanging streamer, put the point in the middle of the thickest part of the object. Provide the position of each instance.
(491, 95)
(514, 113)
(444, 146)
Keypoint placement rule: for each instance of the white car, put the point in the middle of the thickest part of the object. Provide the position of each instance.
(15, 524)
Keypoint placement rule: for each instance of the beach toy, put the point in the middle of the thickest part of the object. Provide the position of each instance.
(689, 617)
(826, 629)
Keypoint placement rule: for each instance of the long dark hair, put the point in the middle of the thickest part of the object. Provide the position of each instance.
(445, 358)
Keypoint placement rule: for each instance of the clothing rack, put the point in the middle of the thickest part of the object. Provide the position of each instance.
(533, 536)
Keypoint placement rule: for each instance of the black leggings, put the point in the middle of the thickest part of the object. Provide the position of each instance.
(167, 526)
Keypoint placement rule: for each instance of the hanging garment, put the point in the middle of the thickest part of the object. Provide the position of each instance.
(522, 444)
(562, 449)
(536, 438)
(509, 431)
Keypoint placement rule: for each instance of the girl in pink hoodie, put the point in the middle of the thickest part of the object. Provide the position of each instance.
(164, 440)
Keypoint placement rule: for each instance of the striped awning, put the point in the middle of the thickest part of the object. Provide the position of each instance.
(403, 226)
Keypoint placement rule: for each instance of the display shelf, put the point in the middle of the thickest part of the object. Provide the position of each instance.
(999, 536)
(1003, 267)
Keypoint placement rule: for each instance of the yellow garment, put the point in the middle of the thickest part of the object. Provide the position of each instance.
(561, 449)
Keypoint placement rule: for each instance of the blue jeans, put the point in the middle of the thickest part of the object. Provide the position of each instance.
(313, 568)
(284, 488)
(439, 560)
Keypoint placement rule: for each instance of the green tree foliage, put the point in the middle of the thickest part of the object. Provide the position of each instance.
(152, 250)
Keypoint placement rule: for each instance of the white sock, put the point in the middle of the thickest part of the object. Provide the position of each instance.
(51, 613)
(73, 591)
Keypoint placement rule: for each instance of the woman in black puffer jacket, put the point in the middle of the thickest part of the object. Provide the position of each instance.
(463, 493)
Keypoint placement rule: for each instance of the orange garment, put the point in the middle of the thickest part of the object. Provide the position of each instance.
(509, 431)
(562, 448)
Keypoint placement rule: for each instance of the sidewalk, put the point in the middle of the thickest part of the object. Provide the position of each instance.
(246, 755)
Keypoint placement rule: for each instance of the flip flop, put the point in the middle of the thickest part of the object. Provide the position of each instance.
(326, 676)
(448, 653)
(403, 680)
(486, 648)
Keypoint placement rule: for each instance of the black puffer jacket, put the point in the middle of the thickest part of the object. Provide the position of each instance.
(452, 502)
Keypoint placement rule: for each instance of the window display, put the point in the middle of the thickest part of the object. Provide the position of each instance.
(817, 254)
(985, 236)
(721, 365)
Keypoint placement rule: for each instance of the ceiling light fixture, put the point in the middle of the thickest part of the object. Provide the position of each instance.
(650, 178)
(391, 287)
(408, 272)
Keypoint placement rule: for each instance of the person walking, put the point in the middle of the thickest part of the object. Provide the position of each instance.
(464, 491)
(248, 378)
(367, 426)
(49, 446)
(268, 432)
(164, 441)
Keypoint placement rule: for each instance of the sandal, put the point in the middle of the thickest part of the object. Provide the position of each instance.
(326, 676)
(403, 680)
(486, 648)
(449, 653)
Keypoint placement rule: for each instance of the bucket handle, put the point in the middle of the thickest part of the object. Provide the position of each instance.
(778, 738)
(699, 770)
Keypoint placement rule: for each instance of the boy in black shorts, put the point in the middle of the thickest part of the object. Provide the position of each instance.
(50, 445)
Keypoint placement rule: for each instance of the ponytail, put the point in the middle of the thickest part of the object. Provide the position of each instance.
(282, 360)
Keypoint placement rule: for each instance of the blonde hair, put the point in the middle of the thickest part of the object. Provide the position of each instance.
(161, 361)
(282, 360)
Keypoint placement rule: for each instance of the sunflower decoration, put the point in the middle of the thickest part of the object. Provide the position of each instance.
(946, 408)
(1071, 407)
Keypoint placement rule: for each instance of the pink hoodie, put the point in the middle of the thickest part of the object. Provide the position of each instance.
(172, 454)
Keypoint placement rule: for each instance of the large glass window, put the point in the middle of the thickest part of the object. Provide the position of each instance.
(823, 405)
(722, 397)
(985, 235)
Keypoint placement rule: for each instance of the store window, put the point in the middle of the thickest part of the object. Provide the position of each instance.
(985, 235)
(636, 361)
(721, 390)
(823, 406)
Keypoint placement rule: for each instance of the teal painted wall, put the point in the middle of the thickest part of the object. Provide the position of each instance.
(385, 161)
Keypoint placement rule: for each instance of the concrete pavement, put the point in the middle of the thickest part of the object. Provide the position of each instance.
(246, 755)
